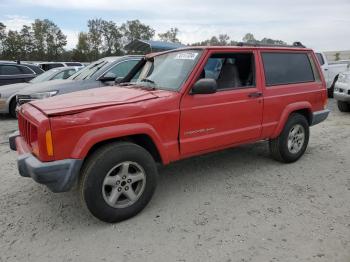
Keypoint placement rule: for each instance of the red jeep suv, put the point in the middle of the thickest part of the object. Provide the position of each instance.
(171, 106)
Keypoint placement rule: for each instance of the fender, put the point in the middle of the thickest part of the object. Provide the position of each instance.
(286, 112)
(93, 137)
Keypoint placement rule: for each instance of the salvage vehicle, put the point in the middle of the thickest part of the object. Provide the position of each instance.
(331, 71)
(342, 92)
(98, 74)
(11, 73)
(171, 106)
(8, 92)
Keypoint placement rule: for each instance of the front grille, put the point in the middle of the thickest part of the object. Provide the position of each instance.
(27, 130)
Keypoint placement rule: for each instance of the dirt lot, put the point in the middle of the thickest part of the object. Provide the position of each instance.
(234, 205)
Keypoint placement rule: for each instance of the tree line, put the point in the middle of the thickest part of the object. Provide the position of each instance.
(43, 40)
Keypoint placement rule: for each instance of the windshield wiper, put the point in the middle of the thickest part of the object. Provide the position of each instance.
(148, 81)
(126, 84)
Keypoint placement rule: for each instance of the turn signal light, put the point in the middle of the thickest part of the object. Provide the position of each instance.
(49, 144)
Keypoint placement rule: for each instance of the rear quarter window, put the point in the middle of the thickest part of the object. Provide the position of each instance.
(287, 68)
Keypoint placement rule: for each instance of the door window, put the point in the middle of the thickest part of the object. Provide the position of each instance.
(231, 70)
(10, 70)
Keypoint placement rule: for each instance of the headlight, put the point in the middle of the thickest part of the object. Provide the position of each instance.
(43, 95)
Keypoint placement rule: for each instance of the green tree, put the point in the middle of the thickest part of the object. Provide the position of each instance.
(39, 28)
(82, 49)
(170, 35)
(13, 46)
(249, 38)
(2, 37)
(95, 37)
(55, 41)
(26, 35)
(133, 30)
(223, 39)
(112, 38)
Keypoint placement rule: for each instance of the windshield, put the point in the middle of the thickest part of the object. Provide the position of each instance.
(168, 71)
(44, 76)
(87, 72)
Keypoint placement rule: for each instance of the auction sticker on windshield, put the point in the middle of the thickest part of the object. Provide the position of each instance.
(186, 56)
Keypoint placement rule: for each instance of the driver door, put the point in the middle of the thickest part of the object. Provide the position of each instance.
(230, 116)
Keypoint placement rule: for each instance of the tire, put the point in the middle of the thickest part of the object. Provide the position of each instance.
(287, 147)
(343, 106)
(112, 202)
(12, 108)
(330, 91)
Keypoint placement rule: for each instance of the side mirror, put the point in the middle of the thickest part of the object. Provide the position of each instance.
(204, 86)
(108, 77)
(118, 80)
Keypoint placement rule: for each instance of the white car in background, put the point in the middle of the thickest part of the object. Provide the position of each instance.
(49, 65)
(8, 92)
(342, 91)
(331, 71)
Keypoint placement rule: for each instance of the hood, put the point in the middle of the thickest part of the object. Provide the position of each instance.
(93, 98)
(8, 90)
(46, 86)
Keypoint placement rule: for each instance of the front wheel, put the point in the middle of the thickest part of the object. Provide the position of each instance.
(291, 144)
(118, 181)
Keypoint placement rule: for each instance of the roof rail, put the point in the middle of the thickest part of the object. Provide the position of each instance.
(295, 44)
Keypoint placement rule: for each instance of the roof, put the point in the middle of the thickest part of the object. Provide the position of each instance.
(148, 46)
(243, 48)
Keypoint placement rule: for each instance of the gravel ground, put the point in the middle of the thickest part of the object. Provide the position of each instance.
(234, 205)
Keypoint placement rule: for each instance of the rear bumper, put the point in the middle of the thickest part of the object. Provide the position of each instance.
(58, 176)
(319, 116)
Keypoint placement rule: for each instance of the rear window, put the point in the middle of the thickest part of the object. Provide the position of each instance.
(287, 68)
(73, 64)
(50, 66)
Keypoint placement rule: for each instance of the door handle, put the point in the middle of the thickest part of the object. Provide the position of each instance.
(255, 95)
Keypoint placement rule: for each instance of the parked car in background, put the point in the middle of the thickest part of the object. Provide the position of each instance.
(342, 91)
(49, 65)
(171, 106)
(8, 92)
(331, 71)
(100, 73)
(11, 73)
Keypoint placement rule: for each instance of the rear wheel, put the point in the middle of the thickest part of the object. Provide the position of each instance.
(118, 181)
(343, 106)
(12, 108)
(291, 144)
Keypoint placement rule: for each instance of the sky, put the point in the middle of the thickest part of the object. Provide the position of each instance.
(321, 24)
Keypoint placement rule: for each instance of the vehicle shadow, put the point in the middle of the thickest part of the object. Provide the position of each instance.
(191, 175)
